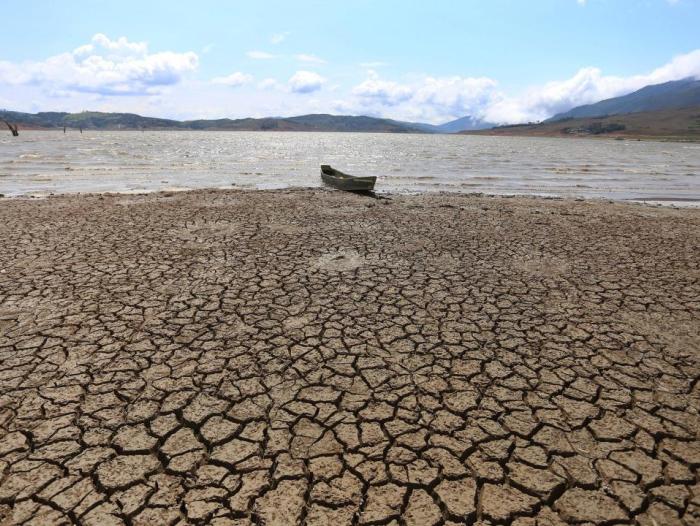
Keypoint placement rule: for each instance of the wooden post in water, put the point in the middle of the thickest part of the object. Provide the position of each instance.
(13, 128)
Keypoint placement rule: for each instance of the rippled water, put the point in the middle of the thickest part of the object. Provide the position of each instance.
(44, 162)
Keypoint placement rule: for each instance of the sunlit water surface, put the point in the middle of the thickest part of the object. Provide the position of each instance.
(44, 162)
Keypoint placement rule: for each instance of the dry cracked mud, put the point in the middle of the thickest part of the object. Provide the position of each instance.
(313, 357)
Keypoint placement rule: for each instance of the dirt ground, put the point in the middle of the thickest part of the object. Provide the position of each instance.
(307, 356)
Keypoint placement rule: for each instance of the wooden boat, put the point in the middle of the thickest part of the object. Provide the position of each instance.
(343, 181)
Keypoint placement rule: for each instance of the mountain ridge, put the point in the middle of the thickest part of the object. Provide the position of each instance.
(117, 121)
(455, 126)
(681, 124)
(311, 122)
(672, 95)
(667, 96)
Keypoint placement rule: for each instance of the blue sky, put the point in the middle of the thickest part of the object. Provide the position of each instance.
(500, 60)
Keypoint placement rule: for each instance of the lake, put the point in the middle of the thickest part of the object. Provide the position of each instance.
(44, 162)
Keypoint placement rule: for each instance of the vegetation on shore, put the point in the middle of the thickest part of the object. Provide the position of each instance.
(677, 125)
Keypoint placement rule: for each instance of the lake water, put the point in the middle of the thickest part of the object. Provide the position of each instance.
(44, 162)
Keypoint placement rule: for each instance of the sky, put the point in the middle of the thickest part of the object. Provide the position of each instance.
(502, 61)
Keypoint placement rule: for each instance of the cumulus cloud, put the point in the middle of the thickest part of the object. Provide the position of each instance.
(161, 83)
(587, 86)
(383, 92)
(302, 57)
(437, 99)
(456, 95)
(105, 67)
(682, 66)
(305, 82)
(430, 97)
(234, 79)
(538, 103)
(260, 55)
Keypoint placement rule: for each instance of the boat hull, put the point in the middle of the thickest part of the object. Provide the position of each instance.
(346, 182)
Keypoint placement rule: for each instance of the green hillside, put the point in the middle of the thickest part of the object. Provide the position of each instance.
(91, 120)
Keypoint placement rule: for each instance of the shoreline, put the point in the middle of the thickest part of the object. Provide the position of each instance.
(652, 201)
(609, 137)
(48, 163)
(479, 133)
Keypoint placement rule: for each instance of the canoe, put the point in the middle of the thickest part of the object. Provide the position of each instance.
(343, 181)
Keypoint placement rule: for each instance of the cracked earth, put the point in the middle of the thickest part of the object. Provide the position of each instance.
(315, 357)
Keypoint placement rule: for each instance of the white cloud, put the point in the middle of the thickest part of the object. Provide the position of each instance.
(119, 46)
(438, 99)
(682, 66)
(430, 98)
(234, 79)
(309, 58)
(278, 38)
(162, 84)
(260, 55)
(383, 92)
(456, 95)
(587, 86)
(305, 82)
(581, 2)
(104, 66)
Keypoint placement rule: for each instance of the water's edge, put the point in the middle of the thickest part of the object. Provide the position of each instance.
(44, 163)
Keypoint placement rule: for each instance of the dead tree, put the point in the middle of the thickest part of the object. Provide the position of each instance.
(13, 128)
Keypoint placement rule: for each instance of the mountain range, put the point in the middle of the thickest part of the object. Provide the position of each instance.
(682, 124)
(672, 95)
(680, 100)
(668, 111)
(314, 122)
(462, 124)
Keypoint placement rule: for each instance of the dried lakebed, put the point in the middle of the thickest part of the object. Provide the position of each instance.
(314, 357)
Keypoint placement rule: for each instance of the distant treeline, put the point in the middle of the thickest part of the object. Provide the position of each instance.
(597, 128)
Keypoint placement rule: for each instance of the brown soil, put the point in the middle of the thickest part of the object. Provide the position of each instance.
(316, 357)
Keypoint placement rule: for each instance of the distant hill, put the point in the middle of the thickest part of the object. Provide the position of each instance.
(667, 96)
(94, 120)
(677, 124)
(115, 121)
(86, 119)
(455, 126)
(344, 123)
(465, 123)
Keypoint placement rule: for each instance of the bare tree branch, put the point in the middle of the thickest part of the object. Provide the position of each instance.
(13, 128)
